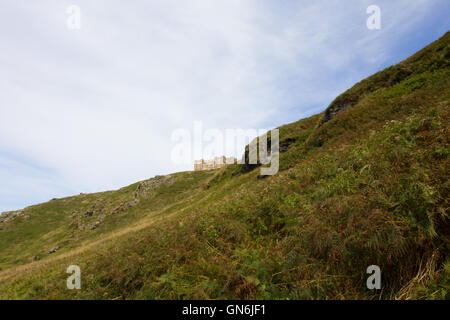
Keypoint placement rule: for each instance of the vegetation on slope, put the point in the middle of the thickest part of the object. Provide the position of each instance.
(364, 183)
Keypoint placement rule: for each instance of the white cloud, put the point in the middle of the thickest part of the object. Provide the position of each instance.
(97, 106)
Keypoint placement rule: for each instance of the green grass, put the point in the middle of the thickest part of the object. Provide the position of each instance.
(365, 185)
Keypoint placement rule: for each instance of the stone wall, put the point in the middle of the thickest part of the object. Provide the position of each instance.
(216, 163)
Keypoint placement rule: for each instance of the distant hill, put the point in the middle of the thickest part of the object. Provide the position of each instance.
(366, 182)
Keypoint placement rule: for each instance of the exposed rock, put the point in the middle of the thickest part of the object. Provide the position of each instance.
(95, 225)
(125, 206)
(89, 213)
(286, 144)
(385, 79)
(9, 215)
(115, 210)
(144, 188)
(53, 250)
(133, 203)
(95, 209)
(334, 110)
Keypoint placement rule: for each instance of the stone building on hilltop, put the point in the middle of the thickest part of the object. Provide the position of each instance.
(216, 163)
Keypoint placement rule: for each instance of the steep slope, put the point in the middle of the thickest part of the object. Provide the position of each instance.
(60, 225)
(364, 183)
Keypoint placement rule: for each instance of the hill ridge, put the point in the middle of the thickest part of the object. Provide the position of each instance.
(365, 182)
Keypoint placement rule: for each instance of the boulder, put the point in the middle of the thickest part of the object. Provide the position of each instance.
(53, 250)
(89, 213)
(95, 225)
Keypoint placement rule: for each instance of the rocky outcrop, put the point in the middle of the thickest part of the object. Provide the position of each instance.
(334, 110)
(143, 191)
(96, 209)
(95, 225)
(89, 213)
(344, 102)
(124, 206)
(146, 187)
(383, 79)
(10, 215)
(53, 250)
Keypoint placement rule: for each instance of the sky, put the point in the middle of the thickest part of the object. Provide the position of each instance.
(94, 108)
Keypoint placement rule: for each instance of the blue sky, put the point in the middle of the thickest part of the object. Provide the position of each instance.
(94, 109)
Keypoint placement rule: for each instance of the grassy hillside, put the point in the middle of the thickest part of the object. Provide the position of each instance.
(365, 182)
